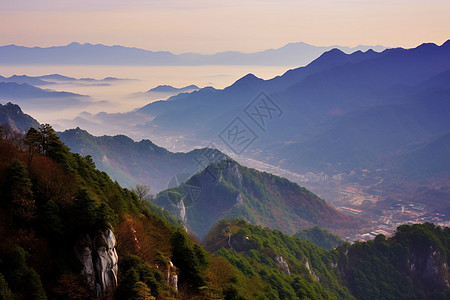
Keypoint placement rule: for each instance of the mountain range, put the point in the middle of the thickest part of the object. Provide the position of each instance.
(88, 54)
(340, 112)
(220, 188)
(99, 241)
(13, 90)
(55, 79)
(385, 112)
(165, 91)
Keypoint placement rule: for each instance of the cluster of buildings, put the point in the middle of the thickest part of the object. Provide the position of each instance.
(397, 214)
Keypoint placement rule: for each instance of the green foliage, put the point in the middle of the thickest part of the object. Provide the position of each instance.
(245, 262)
(19, 193)
(51, 221)
(245, 193)
(84, 210)
(254, 253)
(395, 268)
(190, 258)
(23, 279)
(5, 292)
(141, 291)
(138, 278)
(320, 237)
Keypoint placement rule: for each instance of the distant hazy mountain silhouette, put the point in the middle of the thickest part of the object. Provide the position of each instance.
(295, 54)
(13, 90)
(171, 89)
(55, 79)
(341, 111)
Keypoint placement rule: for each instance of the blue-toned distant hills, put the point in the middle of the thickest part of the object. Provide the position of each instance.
(340, 112)
(13, 90)
(55, 79)
(294, 54)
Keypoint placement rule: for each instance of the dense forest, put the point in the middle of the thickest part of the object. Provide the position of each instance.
(70, 232)
(52, 197)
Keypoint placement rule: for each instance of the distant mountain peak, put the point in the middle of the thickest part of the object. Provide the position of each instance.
(249, 80)
(446, 44)
(426, 46)
(170, 89)
(334, 52)
(74, 44)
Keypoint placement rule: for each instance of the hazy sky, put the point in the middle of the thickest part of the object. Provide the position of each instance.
(212, 26)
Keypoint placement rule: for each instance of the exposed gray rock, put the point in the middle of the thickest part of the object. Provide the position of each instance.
(231, 171)
(316, 278)
(426, 266)
(182, 208)
(172, 277)
(99, 259)
(83, 251)
(239, 200)
(283, 264)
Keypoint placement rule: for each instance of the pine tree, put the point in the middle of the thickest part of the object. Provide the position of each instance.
(19, 194)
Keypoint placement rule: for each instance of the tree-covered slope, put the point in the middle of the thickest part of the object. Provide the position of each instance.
(227, 190)
(68, 230)
(320, 237)
(280, 266)
(62, 220)
(413, 264)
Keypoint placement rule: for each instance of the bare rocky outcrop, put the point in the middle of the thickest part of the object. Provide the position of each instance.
(239, 200)
(283, 264)
(316, 278)
(98, 257)
(230, 170)
(172, 277)
(427, 268)
(182, 208)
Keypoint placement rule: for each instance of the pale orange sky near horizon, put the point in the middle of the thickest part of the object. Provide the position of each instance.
(212, 26)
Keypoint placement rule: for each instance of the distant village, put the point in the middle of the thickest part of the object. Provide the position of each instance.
(398, 214)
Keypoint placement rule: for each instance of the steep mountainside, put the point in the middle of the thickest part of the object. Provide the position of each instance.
(12, 115)
(227, 190)
(69, 232)
(431, 159)
(413, 264)
(278, 265)
(126, 161)
(320, 237)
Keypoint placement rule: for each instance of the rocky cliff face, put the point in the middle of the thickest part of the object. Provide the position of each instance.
(13, 115)
(172, 276)
(182, 209)
(98, 256)
(316, 278)
(283, 264)
(427, 268)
